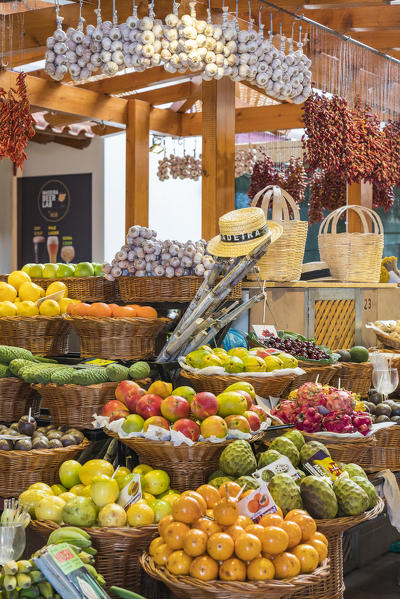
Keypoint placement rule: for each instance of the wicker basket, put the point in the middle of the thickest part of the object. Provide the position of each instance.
(342, 449)
(86, 289)
(386, 340)
(264, 386)
(284, 258)
(16, 397)
(188, 465)
(352, 256)
(163, 289)
(45, 335)
(325, 374)
(356, 377)
(385, 452)
(184, 587)
(117, 338)
(20, 469)
(118, 550)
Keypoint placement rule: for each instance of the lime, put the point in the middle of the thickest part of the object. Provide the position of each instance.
(142, 469)
(69, 473)
(359, 354)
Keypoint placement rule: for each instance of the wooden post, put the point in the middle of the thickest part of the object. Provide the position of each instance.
(137, 164)
(357, 194)
(218, 168)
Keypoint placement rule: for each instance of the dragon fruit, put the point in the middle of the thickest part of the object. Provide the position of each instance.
(340, 400)
(311, 394)
(338, 422)
(287, 411)
(309, 420)
(362, 422)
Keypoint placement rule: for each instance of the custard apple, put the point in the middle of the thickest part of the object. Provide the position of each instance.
(286, 447)
(250, 482)
(63, 376)
(237, 459)
(302, 475)
(267, 457)
(117, 373)
(352, 499)
(309, 449)
(369, 488)
(353, 470)
(318, 497)
(296, 438)
(285, 493)
(216, 474)
(220, 480)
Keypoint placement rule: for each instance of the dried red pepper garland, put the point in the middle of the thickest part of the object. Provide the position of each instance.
(292, 179)
(16, 122)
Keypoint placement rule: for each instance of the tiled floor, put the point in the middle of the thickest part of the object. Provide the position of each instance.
(377, 580)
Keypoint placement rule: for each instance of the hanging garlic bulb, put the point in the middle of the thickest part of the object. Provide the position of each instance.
(55, 59)
(171, 35)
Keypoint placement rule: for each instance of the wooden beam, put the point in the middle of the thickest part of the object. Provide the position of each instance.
(194, 95)
(129, 82)
(59, 119)
(137, 164)
(381, 39)
(357, 194)
(165, 121)
(218, 153)
(104, 130)
(164, 95)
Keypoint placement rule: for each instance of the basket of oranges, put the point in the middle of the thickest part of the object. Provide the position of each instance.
(116, 332)
(206, 549)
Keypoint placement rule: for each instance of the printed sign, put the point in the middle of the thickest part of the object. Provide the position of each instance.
(280, 466)
(257, 503)
(131, 493)
(321, 464)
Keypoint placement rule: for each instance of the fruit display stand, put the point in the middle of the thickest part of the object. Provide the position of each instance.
(45, 335)
(17, 397)
(118, 550)
(86, 289)
(184, 587)
(117, 338)
(356, 377)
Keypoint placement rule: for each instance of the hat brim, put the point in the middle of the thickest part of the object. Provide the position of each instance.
(222, 249)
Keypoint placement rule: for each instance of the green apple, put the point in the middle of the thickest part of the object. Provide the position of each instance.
(133, 424)
(50, 271)
(27, 268)
(98, 269)
(185, 391)
(65, 270)
(84, 269)
(36, 271)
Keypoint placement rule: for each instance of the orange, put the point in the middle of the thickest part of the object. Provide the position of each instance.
(230, 488)
(220, 546)
(174, 534)
(256, 529)
(210, 513)
(289, 515)
(195, 542)
(146, 312)
(155, 544)
(162, 525)
(306, 523)
(247, 547)
(134, 306)
(99, 309)
(226, 511)
(161, 555)
(186, 509)
(286, 566)
(123, 312)
(234, 531)
(209, 494)
(178, 563)
(209, 526)
(308, 557)
(321, 548)
(199, 498)
(260, 568)
(271, 520)
(294, 532)
(232, 569)
(279, 511)
(78, 309)
(244, 521)
(274, 540)
(204, 568)
(321, 537)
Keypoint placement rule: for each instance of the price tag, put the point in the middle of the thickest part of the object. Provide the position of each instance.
(96, 362)
(257, 503)
(259, 328)
(281, 465)
(321, 464)
(131, 493)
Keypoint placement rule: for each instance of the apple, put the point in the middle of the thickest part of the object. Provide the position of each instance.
(204, 404)
(247, 397)
(133, 424)
(254, 420)
(123, 389)
(237, 423)
(156, 421)
(186, 392)
(174, 407)
(118, 414)
(149, 405)
(262, 414)
(214, 426)
(187, 427)
(112, 406)
(133, 397)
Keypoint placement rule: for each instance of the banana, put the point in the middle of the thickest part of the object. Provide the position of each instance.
(91, 550)
(46, 590)
(10, 582)
(91, 569)
(36, 576)
(30, 593)
(83, 533)
(85, 557)
(25, 566)
(125, 594)
(23, 581)
(10, 568)
(70, 536)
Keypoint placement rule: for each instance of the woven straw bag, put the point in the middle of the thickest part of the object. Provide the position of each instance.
(284, 258)
(354, 257)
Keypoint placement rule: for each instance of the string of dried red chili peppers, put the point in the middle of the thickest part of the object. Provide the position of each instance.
(292, 179)
(16, 122)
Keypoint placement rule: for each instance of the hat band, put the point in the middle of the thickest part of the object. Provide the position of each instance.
(245, 236)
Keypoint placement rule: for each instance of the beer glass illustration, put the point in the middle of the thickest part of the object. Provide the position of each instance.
(38, 239)
(52, 248)
(67, 253)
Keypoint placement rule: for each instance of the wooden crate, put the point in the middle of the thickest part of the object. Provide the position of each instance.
(335, 322)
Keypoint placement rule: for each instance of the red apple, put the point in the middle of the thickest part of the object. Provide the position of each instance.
(149, 405)
(253, 419)
(262, 414)
(156, 421)
(174, 407)
(237, 423)
(118, 414)
(247, 397)
(112, 406)
(187, 427)
(203, 405)
(123, 389)
(133, 397)
(214, 426)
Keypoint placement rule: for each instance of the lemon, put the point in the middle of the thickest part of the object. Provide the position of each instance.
(55, 287)
(64, 303)
(49, 308)
(7, 293)
(8, 309)
(30, 291)
(17, 301)
(17, 277)
(27, 308)
(75, 301)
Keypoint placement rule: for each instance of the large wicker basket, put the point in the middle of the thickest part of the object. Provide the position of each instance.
(188, 465)
(184, 587)
(86, 289)
(163, 289)
(45, 335)
(16, 398)
(117, 338)
(264, 386)
(356, 377)
(118, 551)
(20, 469)
(352, 256)
(385, 452)
(325, 374)
(284, 259)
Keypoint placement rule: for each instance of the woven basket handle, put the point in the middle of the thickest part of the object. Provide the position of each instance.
(280, 200)
(362, 212)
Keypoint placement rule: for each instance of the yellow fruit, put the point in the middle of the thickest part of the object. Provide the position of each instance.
(49, 308)
(17, 277)
(30, 291)
(64, 303)
(42, 487)
(50, 508)
(27, 309)
(55, 287)
(8, 309)
(17, 301)
(7, 293)
(148, 497)
(140, 514)
(112, 515)
(93, 468)
(77, 489)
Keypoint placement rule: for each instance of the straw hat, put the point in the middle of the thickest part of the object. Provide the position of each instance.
(241, 231)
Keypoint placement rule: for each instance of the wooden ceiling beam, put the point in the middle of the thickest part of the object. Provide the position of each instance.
(195, 94)
(383, 40)
(129, 82)
(59, 119)
(164, 95)
(165, 121)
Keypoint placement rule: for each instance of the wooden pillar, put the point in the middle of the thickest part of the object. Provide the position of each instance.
(218, 167)
(137, 164)
(357, 194)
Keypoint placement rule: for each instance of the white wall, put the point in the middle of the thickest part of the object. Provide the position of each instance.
(6, 220)
(114, 194)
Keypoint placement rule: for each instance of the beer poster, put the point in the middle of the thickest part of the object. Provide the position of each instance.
(55, 219)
